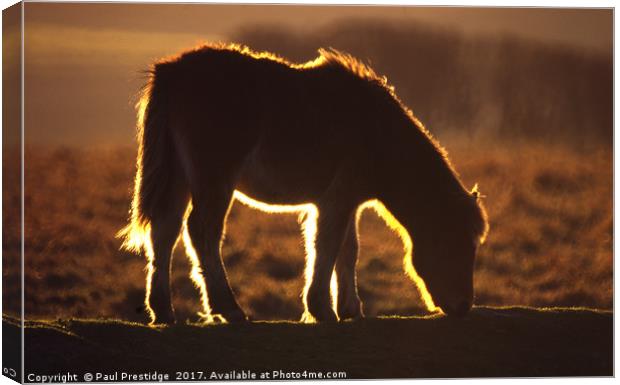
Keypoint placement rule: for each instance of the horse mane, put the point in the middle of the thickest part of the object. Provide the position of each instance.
(332, 56)
(327, 57)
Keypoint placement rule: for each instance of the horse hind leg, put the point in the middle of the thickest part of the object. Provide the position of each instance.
(206, 227)
(349, 303)
(165, 228)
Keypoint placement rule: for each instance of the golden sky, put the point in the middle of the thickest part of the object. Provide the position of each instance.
(586, 27)
(83, 61)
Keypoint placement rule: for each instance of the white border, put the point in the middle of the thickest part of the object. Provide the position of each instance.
(462, 3)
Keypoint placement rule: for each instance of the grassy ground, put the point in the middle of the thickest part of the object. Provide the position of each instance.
(550, 243)
(502, 342)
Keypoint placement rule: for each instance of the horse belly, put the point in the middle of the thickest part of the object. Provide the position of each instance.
(293, 181)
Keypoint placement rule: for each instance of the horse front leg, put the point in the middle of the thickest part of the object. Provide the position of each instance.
(349, 303)
(330, 231)
(206, 225)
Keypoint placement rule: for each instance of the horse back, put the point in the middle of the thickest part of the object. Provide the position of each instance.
(278, 128)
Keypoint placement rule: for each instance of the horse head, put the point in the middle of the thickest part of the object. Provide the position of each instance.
(444, 254)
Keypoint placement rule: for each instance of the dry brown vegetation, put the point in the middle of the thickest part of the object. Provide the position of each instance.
(550, 243)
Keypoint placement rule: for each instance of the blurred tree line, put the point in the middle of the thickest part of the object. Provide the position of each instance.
(473, 85)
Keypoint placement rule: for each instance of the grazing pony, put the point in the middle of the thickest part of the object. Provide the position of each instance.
(328, 138)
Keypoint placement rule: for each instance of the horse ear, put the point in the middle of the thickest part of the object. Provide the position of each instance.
(475, 192)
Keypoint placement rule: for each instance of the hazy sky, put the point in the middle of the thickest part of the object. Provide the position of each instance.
(590, 28)
(83, 60)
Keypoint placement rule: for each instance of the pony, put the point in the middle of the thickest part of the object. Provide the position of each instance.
(328, 138)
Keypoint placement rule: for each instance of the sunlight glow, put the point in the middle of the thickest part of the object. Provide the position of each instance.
(150, 269)
(136, 235)
(196, 272)
(308, 217)
(393, 224)
(137, 238)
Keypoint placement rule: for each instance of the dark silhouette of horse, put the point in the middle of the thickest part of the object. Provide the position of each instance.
(327, 138)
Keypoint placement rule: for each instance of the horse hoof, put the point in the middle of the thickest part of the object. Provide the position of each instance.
(163, 321)
(354, 318)
(326, 317)
(353, 313)
(328, 320)
(236, 317)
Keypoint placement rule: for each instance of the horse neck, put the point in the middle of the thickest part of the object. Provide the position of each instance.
(420, 187)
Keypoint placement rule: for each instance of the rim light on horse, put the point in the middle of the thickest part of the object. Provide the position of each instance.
(328, 138)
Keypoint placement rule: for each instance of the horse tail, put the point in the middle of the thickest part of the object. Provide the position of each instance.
(155, 162)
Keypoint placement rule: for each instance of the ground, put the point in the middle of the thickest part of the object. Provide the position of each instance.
(550, 240)
(497, 342)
